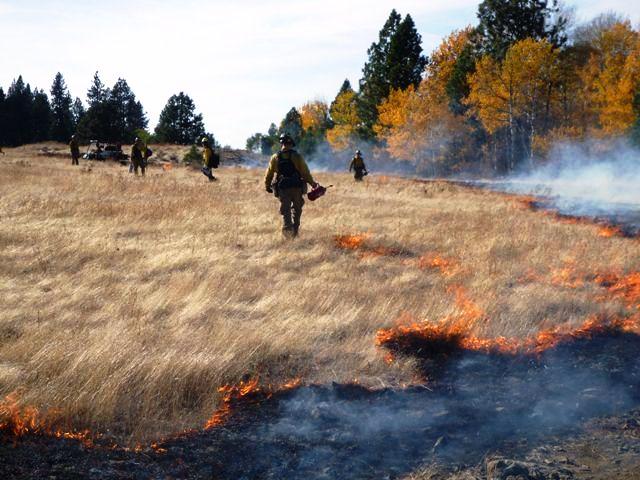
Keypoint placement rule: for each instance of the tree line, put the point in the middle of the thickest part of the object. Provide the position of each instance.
(110, 114)
(497, 95)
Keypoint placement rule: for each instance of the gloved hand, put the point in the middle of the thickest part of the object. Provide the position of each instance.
(269, 190)
(315, 184)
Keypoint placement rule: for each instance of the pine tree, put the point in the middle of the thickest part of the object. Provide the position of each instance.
(129, 114)
(405, 60)
(136, 118)
(41, 117)
(505, 22)
(19, 109)
(178, 121)
(394, 62)
(292, 125)
(78, 111)
(62, 124)
(97, 93)
(3, 118)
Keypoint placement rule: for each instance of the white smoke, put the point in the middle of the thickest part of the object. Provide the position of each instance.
(588, 173)
(595, 179)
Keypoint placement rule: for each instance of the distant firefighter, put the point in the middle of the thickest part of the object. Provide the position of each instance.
(291, 178)
(209, 159)
(138, 153)
(74, 147)
(358, 167)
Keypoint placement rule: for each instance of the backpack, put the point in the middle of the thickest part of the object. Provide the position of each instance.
(215, 159)
(288, 175)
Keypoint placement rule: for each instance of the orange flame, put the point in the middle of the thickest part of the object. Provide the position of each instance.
(231, 394)
(359, 242)
(432, 260)
(167, 166)
(20, 421)
(625, 287)
(608, 231)
(566, 276)
(350, 242)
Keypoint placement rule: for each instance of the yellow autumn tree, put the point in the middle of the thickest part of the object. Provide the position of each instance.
(314, 115)
(519, 94)
(346, 120)
(417, 124)
(611, 78)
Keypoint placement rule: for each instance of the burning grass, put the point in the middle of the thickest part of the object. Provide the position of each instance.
(131, 303)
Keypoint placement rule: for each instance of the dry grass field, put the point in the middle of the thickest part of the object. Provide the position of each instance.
(127, 302)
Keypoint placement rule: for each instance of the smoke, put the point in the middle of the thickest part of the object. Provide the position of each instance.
(589, 173)
(592, 179)
(327, 159)
(480, 403)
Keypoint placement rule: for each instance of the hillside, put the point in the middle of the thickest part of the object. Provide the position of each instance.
(128, 304)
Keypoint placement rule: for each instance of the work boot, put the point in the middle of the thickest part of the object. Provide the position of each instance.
(288, 232)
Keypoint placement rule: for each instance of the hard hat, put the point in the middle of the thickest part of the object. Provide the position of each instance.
(204, 140)
(286, 139)
(136, 140)
(358, 152)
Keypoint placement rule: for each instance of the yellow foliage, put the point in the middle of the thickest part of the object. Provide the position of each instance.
(611, 78)
(344, 113)
(416, 124)
(521, 87)
(443, 59)
(314, 115)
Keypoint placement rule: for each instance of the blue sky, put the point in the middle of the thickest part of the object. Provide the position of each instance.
(245, 63)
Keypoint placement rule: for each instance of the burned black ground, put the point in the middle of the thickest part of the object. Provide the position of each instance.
(476, 407)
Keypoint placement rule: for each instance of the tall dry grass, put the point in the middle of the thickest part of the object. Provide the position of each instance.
(127, 302)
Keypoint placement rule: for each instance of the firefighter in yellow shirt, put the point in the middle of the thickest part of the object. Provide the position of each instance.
(358, 167)
(209, 159)
(291, 178)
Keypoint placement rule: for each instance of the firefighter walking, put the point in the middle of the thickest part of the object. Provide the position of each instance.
(209, 159)
(74, 147)
(291, 178)
(138, 154)
(358, 167)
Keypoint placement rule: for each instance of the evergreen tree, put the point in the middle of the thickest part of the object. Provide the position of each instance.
(405, 60)
(19, 109)
(78, 111)
(178, 121)
(97, 93)
(3, 118)
(136, 118)
(41, 117)
(98, 123)
(62, 124)
(394, 62)
(128, 112)
(504, 22)
(292, 125)
(457, 87)
(118, 98)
